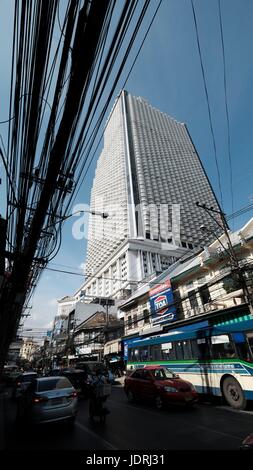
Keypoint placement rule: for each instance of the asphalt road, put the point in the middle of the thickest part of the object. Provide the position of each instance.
(136, 426)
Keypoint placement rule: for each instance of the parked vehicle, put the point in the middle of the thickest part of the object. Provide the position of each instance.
(227, 348)
(22, 382)
(48, 399)
(159, 385)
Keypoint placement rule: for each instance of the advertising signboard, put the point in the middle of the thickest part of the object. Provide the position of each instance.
(160, 299)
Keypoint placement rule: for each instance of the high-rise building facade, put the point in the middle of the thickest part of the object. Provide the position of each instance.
(148, 179)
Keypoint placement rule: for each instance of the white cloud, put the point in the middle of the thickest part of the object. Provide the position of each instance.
(82, 266)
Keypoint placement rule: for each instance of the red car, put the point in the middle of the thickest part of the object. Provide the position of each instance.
(160, 385)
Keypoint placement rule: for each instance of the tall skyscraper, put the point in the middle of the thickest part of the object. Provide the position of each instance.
(148, 178)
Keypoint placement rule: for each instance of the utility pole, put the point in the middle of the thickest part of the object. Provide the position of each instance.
(230, 251)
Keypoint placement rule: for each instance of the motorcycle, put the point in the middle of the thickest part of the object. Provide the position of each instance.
(98, 395)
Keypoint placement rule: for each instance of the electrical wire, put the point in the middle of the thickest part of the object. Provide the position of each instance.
(226, 106)
(208, 102)
(241, 211)
(174, 304)
(124, 84)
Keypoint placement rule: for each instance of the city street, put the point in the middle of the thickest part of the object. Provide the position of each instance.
(136, 426)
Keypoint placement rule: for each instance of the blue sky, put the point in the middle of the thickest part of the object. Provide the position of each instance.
(168, 75)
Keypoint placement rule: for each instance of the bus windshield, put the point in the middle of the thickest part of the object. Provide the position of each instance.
(162, 374)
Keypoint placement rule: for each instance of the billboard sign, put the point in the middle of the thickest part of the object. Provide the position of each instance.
(161, 300)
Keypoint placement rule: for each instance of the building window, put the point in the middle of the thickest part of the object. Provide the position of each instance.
(193, 299)
(135, 320)
(146, 316)
(205, 295)
(129, 322)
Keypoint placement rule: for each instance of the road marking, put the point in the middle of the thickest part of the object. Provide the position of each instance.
(94, 434)
(219, 432)
(233, 410)
(133, 407)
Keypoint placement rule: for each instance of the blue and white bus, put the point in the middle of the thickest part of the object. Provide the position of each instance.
(215, 356)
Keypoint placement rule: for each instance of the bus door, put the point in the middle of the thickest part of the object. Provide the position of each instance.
(204, 356)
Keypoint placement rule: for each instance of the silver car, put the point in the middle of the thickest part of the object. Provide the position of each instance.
(48, 399)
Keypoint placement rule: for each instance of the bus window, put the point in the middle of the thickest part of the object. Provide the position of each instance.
(143, 352)
(250, 343)
(133, 354)
(155, 352)
(243, 351)
(168, 351)
(130, 354)
(200, 348)
(222, 347)
(183, 350)
(179, 350)
(136, 354)
(241, 345)
(187, 350)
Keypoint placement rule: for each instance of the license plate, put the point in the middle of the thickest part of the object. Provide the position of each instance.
(57, 401)
(188, 398)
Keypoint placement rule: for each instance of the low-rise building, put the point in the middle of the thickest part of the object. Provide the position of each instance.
(14, 351)
(203, 283)
(28, 349)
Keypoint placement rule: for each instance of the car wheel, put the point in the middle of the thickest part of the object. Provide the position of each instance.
(233, 393)
(158, 402)
(130, 396)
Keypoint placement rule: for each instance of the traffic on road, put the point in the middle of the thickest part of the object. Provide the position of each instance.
(124, 415)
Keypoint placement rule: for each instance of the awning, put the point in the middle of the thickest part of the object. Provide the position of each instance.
(231, 319)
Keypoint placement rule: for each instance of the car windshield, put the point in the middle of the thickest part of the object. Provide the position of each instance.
(53, 384)
(162, 374)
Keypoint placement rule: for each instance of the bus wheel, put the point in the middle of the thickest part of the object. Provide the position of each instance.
(233, 393)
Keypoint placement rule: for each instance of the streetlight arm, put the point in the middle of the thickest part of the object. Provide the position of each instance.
(104, 215)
